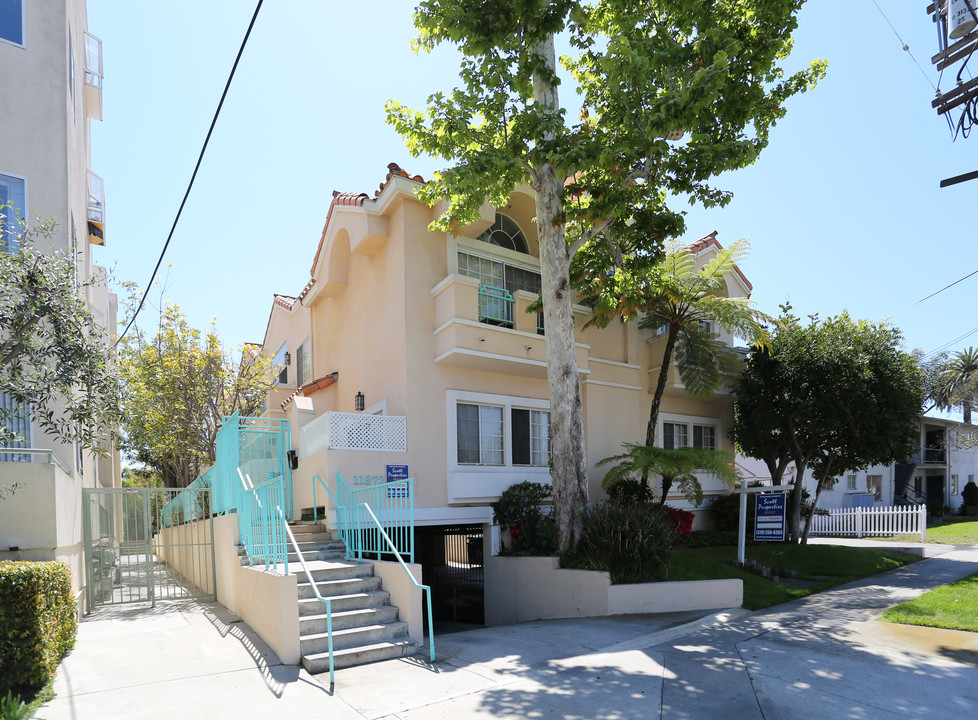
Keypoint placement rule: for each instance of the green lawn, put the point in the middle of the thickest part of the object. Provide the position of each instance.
(953, 606)
(825, 566)
(954, 531)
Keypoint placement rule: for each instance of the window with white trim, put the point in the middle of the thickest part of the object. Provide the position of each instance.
(505, 233)
(15, 418)
(12, 21)
(13, 207)
(874, 484)
(279, 366)
(303, 363)
(678, 435)
(480, 434)
(954, 484)
(508, 433)
(851, 481)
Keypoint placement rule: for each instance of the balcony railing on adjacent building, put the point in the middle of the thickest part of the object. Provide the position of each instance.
(353, 431)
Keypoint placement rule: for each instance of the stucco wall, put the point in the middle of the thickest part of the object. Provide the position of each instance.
(186, 548)
(520, 589)
(410, 601)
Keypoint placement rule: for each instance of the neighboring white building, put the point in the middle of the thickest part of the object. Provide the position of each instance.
(945, 460)
(52, 68)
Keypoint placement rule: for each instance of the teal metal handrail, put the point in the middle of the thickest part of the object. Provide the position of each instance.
(342, 511)
(329, 604)
(262, 533)
(394, 502)
(495, 306)
(34, 452)
(431, 626)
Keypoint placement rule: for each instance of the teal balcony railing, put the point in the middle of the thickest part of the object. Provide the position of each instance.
(495, 306)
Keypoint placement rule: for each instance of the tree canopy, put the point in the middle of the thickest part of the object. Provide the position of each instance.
(609, 182)
(179, 385)
(54, 355)
(833, 395)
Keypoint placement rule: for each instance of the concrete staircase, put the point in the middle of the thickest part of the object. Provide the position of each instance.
(366, 627)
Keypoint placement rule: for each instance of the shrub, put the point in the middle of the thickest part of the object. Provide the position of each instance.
(630, 541)
(970, 494)
(519, 514)
(631, 490)
(39, 623)
(726, 512)
(13, 708)
(682, 520)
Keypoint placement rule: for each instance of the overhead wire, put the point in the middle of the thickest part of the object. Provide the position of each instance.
(938, 292)
(905, 46)
(193, 177)
(949, 343)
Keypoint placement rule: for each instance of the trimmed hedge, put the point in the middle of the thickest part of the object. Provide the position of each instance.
(38, 622)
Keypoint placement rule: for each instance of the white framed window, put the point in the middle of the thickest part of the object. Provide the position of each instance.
(698, 434)
(954, 484)
(13, 200)
(279, 366)
(12, 21)
(505, 233)
(851, 482)
(480, 434)
(497, 430)
(874, 484)
(16, 420)
(303, 363)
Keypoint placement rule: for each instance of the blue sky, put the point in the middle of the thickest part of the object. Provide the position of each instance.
(843, 210)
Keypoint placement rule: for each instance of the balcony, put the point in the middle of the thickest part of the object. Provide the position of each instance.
(674, 383)
(482, 327)
(96, 209)
(93, 77)
(353, 431)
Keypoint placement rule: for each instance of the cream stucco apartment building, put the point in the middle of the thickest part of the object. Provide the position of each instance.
(52, 68)
(414, 348)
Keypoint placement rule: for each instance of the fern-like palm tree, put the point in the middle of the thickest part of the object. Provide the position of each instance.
(686, 304)
(958, 387)
(676, 467)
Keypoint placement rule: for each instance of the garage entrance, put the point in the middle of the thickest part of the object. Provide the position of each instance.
(147, 545)
(451, 563)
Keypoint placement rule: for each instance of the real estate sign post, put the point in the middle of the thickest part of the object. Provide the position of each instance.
(742, 529)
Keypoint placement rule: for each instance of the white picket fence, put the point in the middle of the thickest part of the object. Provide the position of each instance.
(873, 522)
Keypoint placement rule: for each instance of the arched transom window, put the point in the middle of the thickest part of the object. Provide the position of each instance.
(506, 234)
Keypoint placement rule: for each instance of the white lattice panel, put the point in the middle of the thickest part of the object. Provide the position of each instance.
(314, 437)
(352, 431)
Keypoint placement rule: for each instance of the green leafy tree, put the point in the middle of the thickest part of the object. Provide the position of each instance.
(179, 385)
(645, 72)
(832, 395)
(54, 356)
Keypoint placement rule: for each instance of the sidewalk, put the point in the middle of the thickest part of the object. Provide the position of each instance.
(823, 656)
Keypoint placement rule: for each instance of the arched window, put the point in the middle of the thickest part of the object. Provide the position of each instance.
(506, 234)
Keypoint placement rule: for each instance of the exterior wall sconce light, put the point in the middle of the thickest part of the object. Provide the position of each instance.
(358, 402)
(288, 358)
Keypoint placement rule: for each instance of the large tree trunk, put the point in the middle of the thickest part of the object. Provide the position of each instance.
(660, 386)
(569, 465)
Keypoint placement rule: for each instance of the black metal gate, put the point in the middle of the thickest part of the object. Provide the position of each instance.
(451, 562)
(147, 545)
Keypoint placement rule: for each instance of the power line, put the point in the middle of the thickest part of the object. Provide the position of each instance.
(930, 296)
(949, 343)
(193, 177)
(905, 46)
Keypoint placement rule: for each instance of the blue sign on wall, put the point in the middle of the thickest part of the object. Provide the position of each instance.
(397, 473)
(769, 517)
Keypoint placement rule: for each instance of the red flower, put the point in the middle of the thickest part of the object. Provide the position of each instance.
(515, 531)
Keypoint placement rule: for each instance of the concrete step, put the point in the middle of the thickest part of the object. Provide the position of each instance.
(312, 624)
(332, 570)
(313, 537)
(327, 544)
(342, 603)
(329, 554)
(319, 662)
(343, 586)
(353, 637)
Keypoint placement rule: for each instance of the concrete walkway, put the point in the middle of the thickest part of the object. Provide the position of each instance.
(820, 657)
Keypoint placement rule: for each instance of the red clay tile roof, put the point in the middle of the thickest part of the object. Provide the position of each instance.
(356, 200)
(286, 301)
(706, 241)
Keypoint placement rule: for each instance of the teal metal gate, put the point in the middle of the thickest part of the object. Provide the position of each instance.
(147, 545)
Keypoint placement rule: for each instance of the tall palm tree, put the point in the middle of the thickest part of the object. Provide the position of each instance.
(686, 303)
(958, 387)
